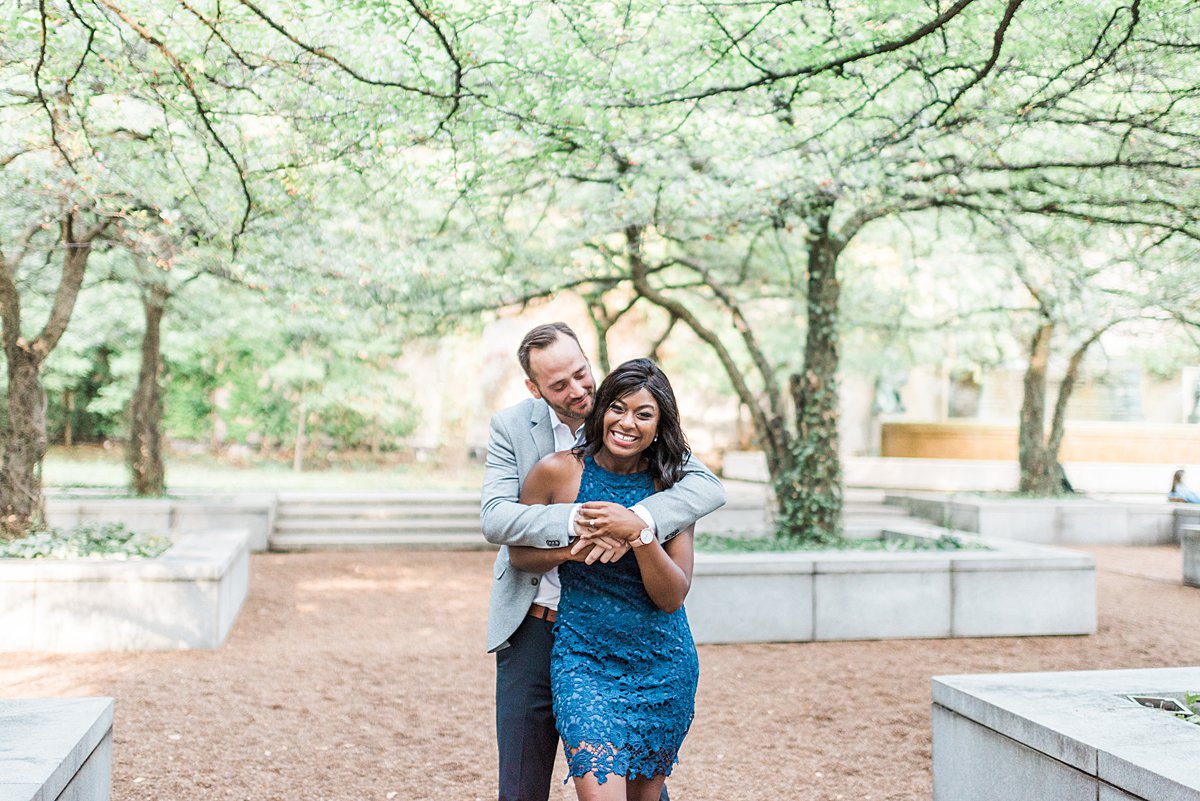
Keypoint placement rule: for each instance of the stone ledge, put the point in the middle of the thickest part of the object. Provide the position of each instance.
(844, 595)
(187, 598)
(56, 748)
(1189, 540)
(1077, 720)
(1058, 521)
(171, 517)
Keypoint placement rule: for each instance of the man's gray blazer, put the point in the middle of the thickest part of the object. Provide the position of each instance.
(521, 435)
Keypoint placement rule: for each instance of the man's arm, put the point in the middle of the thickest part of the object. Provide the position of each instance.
(673, 510)
(504, 520)
(698, 493)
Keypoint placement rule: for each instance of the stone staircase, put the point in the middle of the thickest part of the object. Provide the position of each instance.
(311, 521)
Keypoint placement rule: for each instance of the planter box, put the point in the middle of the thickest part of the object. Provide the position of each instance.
(1190, 543)
(1063, 737)
(56, 749)
(172, 517)
(187, 598)
(1013, 589)
(1060, 521)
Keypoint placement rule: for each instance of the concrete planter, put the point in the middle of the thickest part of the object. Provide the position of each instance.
(1014, 589)
(172, 517)
(56, 749)
(187, 598)
(1063, 737)
(1057, 521)
(1189, 539)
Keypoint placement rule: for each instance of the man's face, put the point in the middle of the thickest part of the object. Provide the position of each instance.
(561, 375)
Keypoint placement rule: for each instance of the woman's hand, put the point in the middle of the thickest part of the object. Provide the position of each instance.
(607, 522)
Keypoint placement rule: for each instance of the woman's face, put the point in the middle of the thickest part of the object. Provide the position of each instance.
(630, 423)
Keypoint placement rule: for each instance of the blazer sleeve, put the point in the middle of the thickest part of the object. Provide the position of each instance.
(503, 519)
(693, 496)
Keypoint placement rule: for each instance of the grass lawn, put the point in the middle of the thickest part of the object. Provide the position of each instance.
(97, 467)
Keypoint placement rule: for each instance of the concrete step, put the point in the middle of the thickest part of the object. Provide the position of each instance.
(448, 524)
(369, 498)
(297, 511)
(383, 540)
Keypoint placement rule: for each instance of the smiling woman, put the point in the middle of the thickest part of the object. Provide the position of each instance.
(623, 666)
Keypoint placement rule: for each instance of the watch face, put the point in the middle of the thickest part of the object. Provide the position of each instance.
(647, 536)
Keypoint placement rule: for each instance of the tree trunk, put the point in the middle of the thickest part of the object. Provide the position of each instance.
(24, 443)
(25, 439)
(146, 470)
(69, 418)
(808, 489)
(301, 439)
(1040, 474)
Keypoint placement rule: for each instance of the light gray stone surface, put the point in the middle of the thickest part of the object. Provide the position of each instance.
(1013, 589)
(1023, 602)
(1011, 771)
(1190, 543)
(187, 598)
(253, 513)
(749, 598)
(1051, 521)
(56, 749)
(882, 604)
(1082, 720)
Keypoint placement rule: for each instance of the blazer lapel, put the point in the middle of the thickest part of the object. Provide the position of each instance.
(542, 429)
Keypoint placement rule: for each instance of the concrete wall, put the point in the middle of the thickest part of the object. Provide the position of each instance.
(1062, 737)
(1015, 589)
(968, 475)
(187, 598)
(1190, 542)
(56, 749)
(1060, 521)
(172, 517)
(1083, 441)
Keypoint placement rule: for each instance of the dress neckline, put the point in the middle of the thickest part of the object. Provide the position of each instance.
(592, 461)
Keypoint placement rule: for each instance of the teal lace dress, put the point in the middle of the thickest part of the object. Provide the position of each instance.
(622, 672)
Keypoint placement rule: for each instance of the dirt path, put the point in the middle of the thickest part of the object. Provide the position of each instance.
(362, 676)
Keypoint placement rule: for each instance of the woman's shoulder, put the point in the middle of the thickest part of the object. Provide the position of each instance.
(562, 463)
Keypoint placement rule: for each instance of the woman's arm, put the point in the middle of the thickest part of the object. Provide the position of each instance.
(552, 480)
(667, 569)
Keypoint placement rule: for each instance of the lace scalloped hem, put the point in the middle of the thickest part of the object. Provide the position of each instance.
(604, 761)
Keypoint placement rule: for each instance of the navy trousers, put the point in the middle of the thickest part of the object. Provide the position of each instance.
(525, 732)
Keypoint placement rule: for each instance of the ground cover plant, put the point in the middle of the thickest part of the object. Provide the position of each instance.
(96, 541)
(715, 543)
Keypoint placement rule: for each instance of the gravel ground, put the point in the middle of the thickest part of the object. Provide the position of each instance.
(363, 676)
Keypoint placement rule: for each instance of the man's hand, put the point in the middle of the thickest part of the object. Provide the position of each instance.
(581, 551)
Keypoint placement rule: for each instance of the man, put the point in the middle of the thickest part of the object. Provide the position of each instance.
(523, 605)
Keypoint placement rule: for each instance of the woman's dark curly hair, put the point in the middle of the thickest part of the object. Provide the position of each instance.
(669, 451)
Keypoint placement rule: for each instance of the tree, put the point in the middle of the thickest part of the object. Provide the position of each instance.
(134, 111)
(826, 120)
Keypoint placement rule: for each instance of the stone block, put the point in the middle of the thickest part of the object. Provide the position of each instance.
(974, 763)
(1084, 720)
(751, 608)
(1011, 603)
(1190, 545)
(56, 748)
(16, 612)
(871, 605)
(187, 598)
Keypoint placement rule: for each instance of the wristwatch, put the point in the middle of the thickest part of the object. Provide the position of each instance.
(645, 537)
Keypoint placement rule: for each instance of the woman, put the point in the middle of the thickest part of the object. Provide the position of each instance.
(623, 668)
(1180, 493)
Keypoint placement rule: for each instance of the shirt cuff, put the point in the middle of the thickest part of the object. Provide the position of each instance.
(647, 518)
(571, 535)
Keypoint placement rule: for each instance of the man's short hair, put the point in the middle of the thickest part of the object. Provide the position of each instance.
(542, 337)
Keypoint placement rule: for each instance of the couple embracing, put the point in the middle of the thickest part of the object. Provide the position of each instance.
(592, 494)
